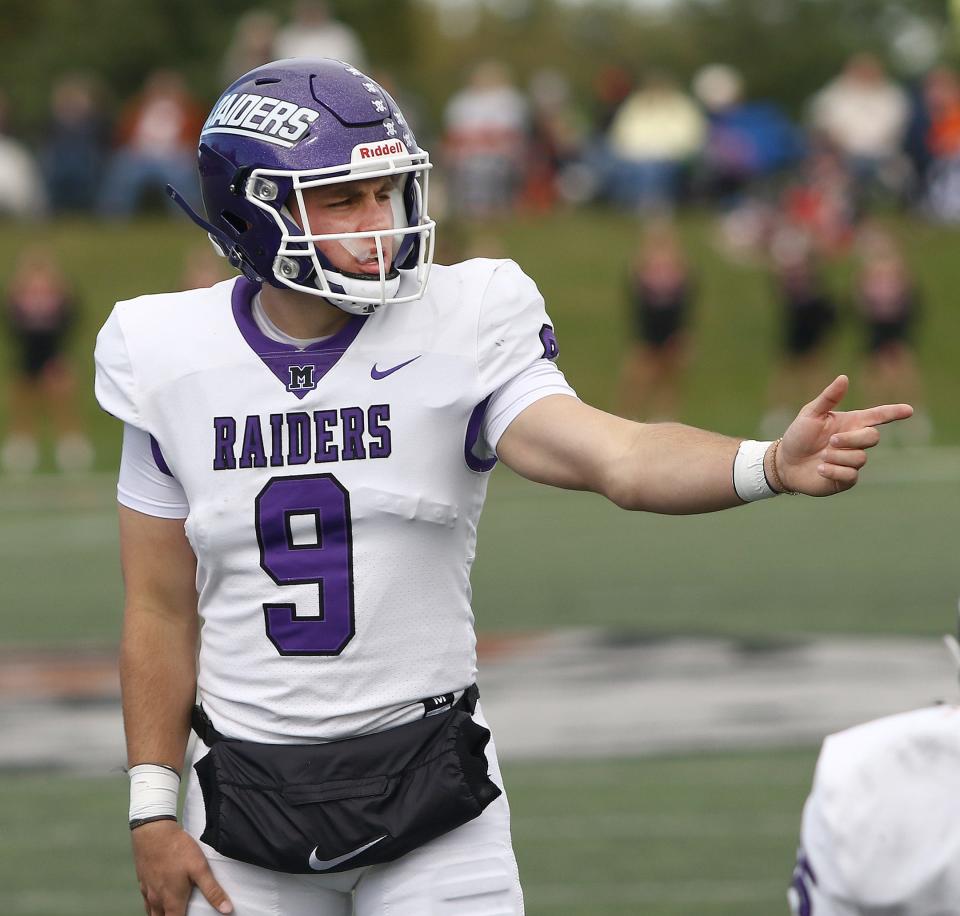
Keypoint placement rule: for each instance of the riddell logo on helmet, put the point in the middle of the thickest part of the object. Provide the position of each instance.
(260, 116)
(381, 150)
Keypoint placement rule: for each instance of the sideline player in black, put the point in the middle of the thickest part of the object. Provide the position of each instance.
(40, 313)
(808, 312)
(660, 292)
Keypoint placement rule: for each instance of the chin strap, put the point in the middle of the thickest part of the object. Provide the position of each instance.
(220, 238)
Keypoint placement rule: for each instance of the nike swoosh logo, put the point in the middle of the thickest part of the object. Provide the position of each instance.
(325, 864)
(375, 373)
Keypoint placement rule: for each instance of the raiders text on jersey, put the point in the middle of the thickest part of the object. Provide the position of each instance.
(347, 434)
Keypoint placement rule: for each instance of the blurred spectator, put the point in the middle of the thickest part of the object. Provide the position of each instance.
(941, 90)
(156, 145)
(808, 312)
(314, 33)
(21, 186)
(821, 200)
(655, 134)
(41, 310)
(941, 101)
(75, 145)
(746, 141)
(660, 295)
(485, 144)
(865, 115)
(252, 44)
(611, 86)
(889, 302)
(915, 141)
(557, 143)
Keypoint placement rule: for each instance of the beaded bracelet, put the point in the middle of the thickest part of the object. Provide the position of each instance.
(777, 481)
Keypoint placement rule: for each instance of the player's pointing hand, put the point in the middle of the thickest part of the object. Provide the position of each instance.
(824, 449)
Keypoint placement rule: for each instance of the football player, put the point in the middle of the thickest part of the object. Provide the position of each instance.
(879, 828)
(306, 451)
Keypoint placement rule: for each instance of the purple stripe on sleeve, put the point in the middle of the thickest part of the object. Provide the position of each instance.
(158, 457)
(551, 347)
(474, 425)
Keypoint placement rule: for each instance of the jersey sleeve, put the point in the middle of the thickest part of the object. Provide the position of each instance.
(513, 329)
(145, 482)
(538, 380)
(115, 384)
(516, 353)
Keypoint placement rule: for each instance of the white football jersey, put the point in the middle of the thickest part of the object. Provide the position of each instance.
(881, 828)
(334, 491)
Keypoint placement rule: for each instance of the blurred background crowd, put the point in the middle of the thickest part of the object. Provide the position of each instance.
(619, 107)
(643, 139)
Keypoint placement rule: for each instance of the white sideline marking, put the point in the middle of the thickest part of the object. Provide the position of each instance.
(671, 696)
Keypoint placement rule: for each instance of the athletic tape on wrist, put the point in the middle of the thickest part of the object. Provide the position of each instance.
(749, 480)
(154, 791)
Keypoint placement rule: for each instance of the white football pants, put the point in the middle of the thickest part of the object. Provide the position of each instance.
(471, 870)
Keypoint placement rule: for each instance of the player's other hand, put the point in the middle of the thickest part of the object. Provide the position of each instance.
(169, 863)
(824, 449)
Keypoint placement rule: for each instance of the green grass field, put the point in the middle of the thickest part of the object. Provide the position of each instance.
(880, 559)
(705, 835)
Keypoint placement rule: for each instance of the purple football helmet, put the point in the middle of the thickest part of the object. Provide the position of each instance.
(296, 124)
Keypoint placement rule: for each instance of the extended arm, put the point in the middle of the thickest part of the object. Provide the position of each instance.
(663, 467)
(676, 469)
(158, 680)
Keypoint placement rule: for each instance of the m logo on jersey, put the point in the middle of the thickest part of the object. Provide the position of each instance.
(260, 116)
(301, 378)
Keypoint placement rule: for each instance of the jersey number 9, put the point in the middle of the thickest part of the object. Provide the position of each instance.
(325, 560)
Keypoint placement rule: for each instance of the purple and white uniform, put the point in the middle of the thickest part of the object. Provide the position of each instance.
(331, 493)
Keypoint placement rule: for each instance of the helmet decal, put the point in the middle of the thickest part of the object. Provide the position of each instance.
(260, 116)
(363, 152)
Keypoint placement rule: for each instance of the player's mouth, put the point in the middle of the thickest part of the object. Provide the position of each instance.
(370, 264)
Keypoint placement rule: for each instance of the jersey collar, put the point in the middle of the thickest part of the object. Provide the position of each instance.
(299, 370)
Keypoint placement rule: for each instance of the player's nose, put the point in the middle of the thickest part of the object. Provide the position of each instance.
(376, 213)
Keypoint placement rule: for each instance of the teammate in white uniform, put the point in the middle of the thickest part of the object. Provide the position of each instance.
(306, 454)
(879, 835)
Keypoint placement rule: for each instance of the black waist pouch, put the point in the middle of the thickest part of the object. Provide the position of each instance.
(321, 808)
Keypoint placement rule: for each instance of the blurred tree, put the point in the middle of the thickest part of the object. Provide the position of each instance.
(786, 48)
(121, 42)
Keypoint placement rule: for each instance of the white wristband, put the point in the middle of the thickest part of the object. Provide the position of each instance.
(749, 480)
(154, 790)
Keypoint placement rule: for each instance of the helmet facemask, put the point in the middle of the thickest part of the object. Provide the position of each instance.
(406, 245)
